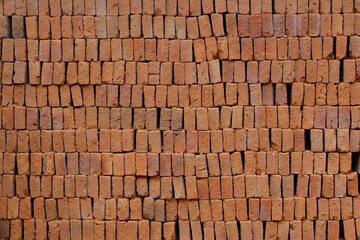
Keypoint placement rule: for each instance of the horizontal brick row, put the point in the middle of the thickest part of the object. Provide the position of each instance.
(155, 73)
(174, 7)
(224, 187)
(215, 141)
(185, 51)
(177, 119)
(239, 209)
(260, 95)
(185, 229)
(176, 164)
(170, 27)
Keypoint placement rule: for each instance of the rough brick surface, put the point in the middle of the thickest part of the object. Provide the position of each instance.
(180, 119)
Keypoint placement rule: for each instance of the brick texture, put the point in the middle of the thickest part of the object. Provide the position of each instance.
(180, 119)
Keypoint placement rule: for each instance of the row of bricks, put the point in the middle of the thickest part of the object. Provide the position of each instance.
(240, 209)
(193, 96)
(180, 118)
(213, 141)
(182, 229)
(174, 7)
(202, 119)
(327, 186)
(177, 164)
(155, 73)
(163, 50)
(205, 26)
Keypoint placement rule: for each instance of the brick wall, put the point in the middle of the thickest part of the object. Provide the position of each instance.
(179, 119)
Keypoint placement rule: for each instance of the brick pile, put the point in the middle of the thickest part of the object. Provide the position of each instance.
(180, 119)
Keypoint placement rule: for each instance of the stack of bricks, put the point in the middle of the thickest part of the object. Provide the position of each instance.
(180, 119)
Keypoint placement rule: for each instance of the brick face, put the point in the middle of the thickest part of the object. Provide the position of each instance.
(178, 119)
